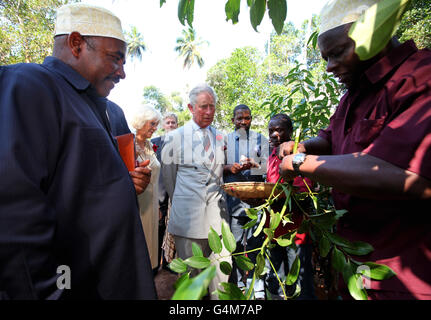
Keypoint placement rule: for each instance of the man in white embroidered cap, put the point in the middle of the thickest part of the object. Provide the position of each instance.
(376, 153)
(69, 218)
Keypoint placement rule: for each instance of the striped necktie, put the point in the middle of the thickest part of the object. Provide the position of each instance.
(207, 152)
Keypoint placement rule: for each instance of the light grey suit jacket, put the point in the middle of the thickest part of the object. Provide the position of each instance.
(197, 201)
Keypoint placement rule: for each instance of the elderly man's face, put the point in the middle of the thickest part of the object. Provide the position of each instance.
(204, 109)
(170, 124)
(338, 50)
(103, 62)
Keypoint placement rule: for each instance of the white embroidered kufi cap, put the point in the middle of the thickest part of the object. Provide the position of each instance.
(88, 20)
(338, 12)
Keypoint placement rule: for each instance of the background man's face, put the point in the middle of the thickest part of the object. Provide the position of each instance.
(278, 132)
(204, 109)
(242, 119)
(170, 124)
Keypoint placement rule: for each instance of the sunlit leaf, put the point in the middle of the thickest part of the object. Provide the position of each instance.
(260, 226)
(181, 279)
(228, 238)
(251, 213)
(214, 241)
(378, 271)
(275, 220)
(232, 9)
(354, 282)
(178, 266)
(197, 262)
(197, 251)
(195, 288)
(375, 28)
(286, 239)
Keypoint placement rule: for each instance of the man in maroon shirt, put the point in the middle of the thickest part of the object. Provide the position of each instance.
(376, 154)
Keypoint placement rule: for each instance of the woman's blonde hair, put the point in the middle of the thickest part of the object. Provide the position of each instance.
(143, 114)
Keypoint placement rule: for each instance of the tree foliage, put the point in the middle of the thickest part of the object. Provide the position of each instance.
(239, 79)
(188, 47)
(416, 24)
(135, 44)
(27, 29)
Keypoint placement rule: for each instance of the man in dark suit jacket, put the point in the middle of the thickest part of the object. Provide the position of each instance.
(69, 217)
(117, 119)
(169, 123)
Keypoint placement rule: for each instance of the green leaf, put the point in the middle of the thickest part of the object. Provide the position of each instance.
(375, 28)
(354, 282)
(190, 12)
(214, 241)
(232, 291)
(228, 238)
(257, 11)
(286, 239)
(261, 224)
(277, 10)
(180, 280)
(249, 224)
(260, 264)
(197, 251)
(186, 11)
(292, 276)
(182, 9)
(251, 287)
(244, 263)
(162, 2)
(275, 220)
(338, 259)
(378, 271)
(178, 266)
(324, 246)
(225, 267)
(194, 289)
(197, 262)
(251, 213)
(359, 248)
(232, 9)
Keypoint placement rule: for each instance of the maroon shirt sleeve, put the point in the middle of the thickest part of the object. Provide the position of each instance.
(405, 141)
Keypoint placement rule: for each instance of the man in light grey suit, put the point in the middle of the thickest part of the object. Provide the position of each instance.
(192, 167)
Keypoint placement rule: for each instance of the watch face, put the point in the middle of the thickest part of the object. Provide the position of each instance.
(299, 158)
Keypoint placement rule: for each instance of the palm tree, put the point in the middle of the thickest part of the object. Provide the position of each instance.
(188, 47)
(135, 44)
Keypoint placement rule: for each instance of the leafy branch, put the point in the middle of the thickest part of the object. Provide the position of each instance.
(319, 222)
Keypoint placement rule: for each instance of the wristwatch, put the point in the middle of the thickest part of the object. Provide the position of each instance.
(298, 159)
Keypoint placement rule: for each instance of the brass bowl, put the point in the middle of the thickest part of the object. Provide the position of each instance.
(250, 190)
